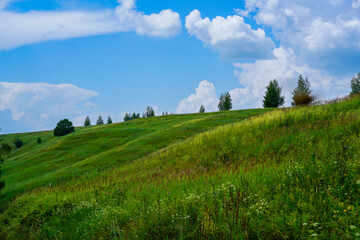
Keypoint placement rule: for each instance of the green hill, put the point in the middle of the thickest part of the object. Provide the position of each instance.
(285, 174)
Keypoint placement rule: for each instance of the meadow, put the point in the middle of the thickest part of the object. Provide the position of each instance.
(253, 174)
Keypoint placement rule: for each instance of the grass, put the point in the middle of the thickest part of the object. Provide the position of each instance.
(286, 174)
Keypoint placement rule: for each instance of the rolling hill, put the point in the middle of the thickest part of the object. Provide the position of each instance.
(251, 174)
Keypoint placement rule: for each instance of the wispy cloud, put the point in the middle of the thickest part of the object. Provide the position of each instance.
(21, 28)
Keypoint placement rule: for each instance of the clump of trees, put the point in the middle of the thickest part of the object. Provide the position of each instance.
(355, 84)
(202, 109)
(129, 116)
(302, 93)
(100, 121)
(273, 98)
(87, 121)
(225, 102)
(149, 112)
(63, 128)
(18, 143)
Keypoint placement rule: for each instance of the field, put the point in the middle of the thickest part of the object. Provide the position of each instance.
(251, 174)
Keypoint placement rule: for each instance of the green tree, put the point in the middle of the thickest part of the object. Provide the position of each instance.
(135, 116)
(109, 120)
(302, 93)
(149, 112)
(87, 121)
(5, 151)
(18, 143)
(355, 84)
(202, 109)
(100, 121)
(127, 117)
(273, 98)
(63, 127)
(225, 102)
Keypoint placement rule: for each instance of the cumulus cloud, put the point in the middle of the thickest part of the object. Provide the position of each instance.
(20, 28)
(286, 69)
(204, 95)
(41, 105)
(231, 36)
(311, 26)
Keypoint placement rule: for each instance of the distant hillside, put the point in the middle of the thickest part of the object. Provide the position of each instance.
(286, 174)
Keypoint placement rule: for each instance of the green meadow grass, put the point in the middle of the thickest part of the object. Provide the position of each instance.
(285, 174)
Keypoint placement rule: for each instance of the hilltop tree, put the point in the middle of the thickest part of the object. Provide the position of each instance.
(135, 116)
(109, 120)
(100, 121)
(225, 102)
(202, 109)
(355, 84)
(302, 93)
(149, 112)
(273, 98)
(87, 121)
(5, 151)
(63, 127)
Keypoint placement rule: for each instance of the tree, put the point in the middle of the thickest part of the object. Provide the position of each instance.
(127, 117)
(149, 112)
(225, 102)
(63, 127)
(87, 121)
(109, 120)
(100, 121)
(5, 151)
(202, 109)
(18, 143)
(39, 140)
(302, 93)
(273, 98)
(135, 116)
(355, 84)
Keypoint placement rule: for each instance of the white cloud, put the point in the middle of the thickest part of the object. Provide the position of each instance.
(41, 105)
(311, 26)
(286, 69)
(204, 95)
(231, 36)
(356, 4)
(20, 28)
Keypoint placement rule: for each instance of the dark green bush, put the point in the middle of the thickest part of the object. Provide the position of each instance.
(18, 143)
(63, 127)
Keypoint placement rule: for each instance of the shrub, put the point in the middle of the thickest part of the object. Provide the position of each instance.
(39, 140)
(63, 127)
(18, 143)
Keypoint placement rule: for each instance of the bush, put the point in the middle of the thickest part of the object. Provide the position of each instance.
(18, 143)
(63, 127)
(39, 140)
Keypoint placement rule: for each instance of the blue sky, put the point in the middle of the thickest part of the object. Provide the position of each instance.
(69, 59)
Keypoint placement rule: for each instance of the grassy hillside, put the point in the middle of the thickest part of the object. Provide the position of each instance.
(286, 174)
(91, 150)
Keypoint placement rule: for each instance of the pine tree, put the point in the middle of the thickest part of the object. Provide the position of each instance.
(302, 93)
(202, 109)
(87, 121)
(100, 121)
(225, 102)
(109, 120)
(355, 84)
(127, 117)
(273, 98)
